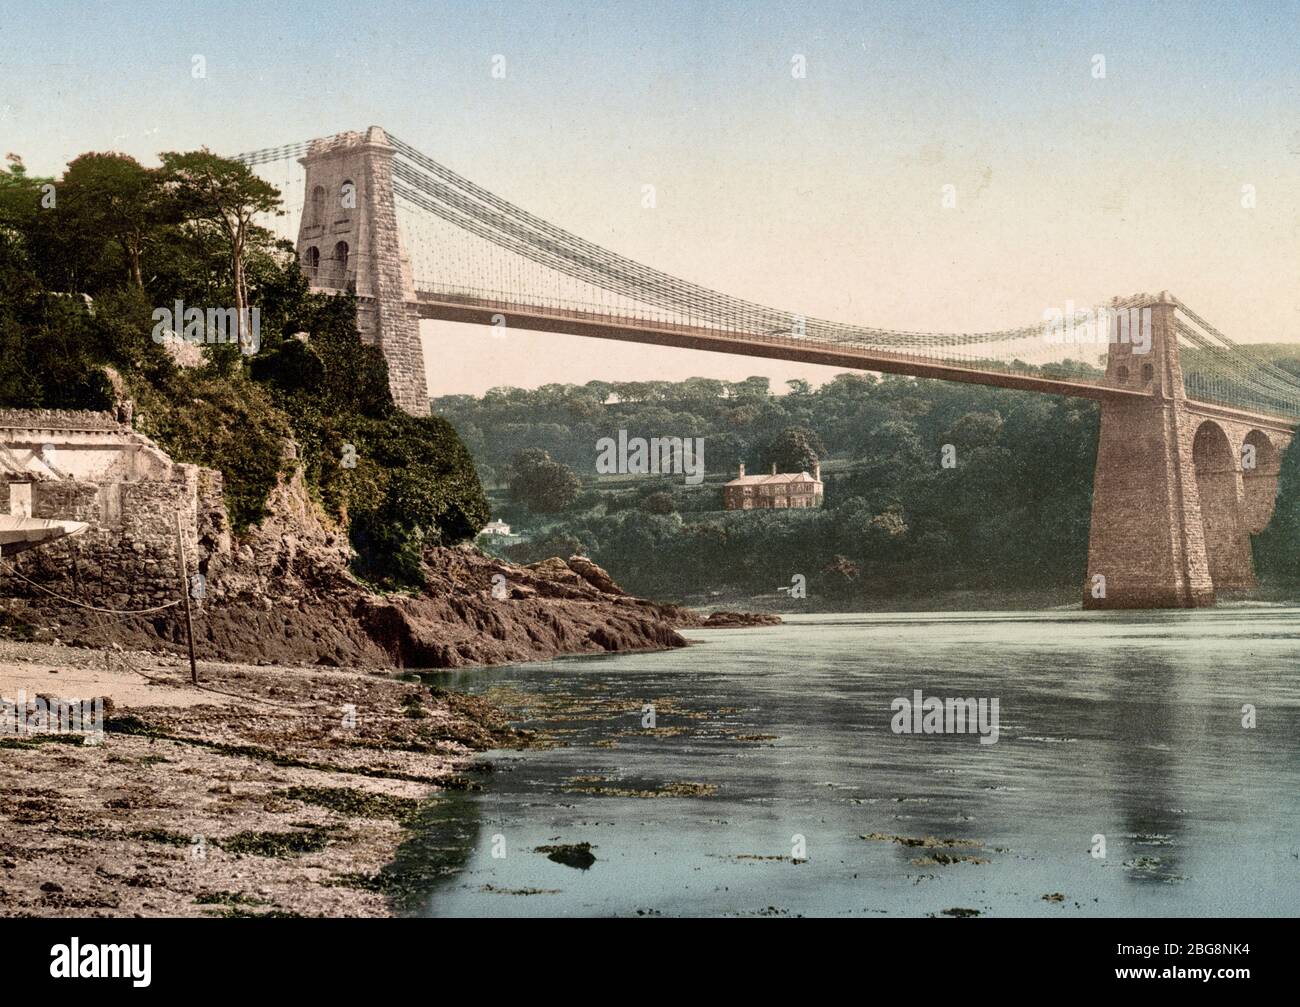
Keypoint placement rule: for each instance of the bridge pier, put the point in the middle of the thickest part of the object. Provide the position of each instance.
(1147, 543)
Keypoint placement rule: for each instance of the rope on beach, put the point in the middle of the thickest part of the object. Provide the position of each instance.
(81, 604)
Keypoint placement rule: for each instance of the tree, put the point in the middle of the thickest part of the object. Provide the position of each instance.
(1277, 547)
(632, 391)
(112, 198)
(658, 503)
(27, 219)
(975, 430)
(724, 451)
(795, 449)
(839, 575)
(554, 544)
(541, 484)
(599, 390)
(893, 444)
(753, 387)
(20, 198)
(701, 390)
(226, 196)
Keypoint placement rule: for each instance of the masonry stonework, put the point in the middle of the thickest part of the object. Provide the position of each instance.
(1172, 507)
(348, 241)
(85, 466)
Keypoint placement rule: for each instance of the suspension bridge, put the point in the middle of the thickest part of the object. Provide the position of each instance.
(1193, 423)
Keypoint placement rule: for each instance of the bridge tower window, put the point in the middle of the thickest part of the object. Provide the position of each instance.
(341, 260)
(1148, 372)
(311, 260)
(1121, 372)
(317, 204)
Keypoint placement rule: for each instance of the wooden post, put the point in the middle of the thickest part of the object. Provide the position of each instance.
(185, 599)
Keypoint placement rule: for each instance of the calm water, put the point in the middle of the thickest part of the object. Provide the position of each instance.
(1127, 726)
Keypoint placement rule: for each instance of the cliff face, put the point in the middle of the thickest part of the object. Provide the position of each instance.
(282, 593)
(474, 610)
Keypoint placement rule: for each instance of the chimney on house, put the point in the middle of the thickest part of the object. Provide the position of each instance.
(817, 470)
(742, 471)
(774, 468)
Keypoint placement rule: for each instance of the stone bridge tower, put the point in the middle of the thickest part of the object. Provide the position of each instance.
(348, 241)
(1146, 548)
(1179, 487)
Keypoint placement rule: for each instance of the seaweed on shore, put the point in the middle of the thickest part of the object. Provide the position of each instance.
(35, 740)
(227, 899)
(275, 844)
(354, 803)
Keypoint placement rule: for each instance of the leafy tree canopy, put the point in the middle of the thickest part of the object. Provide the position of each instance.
(85, 262)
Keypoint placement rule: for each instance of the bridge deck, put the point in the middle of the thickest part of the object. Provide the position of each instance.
(456, 308)
(1265, 421)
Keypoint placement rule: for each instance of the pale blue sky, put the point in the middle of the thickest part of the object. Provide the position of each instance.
(819, 194)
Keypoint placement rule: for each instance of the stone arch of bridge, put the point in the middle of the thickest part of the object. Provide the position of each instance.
(1222, 506)
(1261, 460)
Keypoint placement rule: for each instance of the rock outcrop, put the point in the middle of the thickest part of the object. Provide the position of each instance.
(479, 610)
(739, 620)
(282, 593)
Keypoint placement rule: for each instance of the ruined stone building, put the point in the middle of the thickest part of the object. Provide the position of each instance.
(780, 489)
(90, 466)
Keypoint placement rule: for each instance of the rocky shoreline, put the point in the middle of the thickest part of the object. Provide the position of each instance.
(473, 610)
(283, 592)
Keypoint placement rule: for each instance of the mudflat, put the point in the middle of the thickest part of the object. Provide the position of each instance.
(267, 790)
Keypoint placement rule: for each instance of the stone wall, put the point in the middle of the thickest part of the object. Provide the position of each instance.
(127, 557)
(128, 563)
(67, 500)
(59, 420)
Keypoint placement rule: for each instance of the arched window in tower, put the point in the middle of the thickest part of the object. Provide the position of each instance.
(318, 205)
(341, 261)
(311, 261)
(1121, 372)
(1148, 372)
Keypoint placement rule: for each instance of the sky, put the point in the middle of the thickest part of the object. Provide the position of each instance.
(821, 194)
